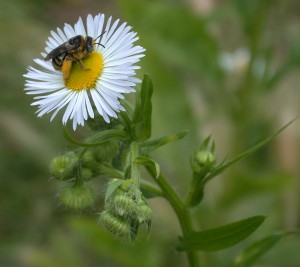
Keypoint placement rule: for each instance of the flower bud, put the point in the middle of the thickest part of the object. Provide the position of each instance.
(88, 159)
(86, 174)
(58, 166)
(119, 227)
(203, 160)
(143, 212)
(77, 196)
(127, 185)
(124, 202)
(123, 205)
(63, 167)
(106, 151)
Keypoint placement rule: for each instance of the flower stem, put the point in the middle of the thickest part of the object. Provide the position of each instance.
(150, 189)
(134, 153)
(181, 211)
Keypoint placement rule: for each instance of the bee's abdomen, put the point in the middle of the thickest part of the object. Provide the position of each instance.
(58, 61)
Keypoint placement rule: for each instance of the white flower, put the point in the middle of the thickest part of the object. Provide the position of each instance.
(235, 62)
(108, 72)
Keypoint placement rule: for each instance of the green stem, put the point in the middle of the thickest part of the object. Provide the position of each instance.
(152, 190)
(182, 213)
(134, 153)
(78, 180)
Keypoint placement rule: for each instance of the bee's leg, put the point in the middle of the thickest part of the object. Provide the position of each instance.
(81, 65)
(66, 68)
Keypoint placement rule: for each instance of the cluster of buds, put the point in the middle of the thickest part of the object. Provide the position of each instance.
(78, 167)
(125, 210)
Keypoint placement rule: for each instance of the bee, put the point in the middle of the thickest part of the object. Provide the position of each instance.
(74, 50)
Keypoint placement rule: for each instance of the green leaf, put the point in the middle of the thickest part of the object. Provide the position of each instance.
(70, 168)
(257, 249)
(196, 193)
(154, 144)
(107, 170)
(125, 120)
(205, 143)
(112, 187)
(223, 166)
(97, 139)
(143, 111)
(220, 237)
(148, 162)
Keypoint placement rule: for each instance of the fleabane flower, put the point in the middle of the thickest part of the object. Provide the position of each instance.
(98, 82)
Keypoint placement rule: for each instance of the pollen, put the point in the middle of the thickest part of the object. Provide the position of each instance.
(85, 78)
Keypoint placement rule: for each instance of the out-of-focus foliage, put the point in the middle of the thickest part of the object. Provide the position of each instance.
(226, 68)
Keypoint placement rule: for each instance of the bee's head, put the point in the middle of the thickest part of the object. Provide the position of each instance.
(89, 44)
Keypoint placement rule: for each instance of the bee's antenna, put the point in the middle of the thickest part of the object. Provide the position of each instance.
(100, 44)
(100, 35)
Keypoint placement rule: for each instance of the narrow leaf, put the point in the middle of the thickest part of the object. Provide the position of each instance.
(107, 135)
(97, 139)
(224, 166)
(257, 249)
(205, 143)
(112, 187)
(148, 162)
(221, 237)
(152, 145)
(108, 171)
(125, 120)
(143, 111)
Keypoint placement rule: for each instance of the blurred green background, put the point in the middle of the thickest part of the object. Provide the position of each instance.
(225, 68)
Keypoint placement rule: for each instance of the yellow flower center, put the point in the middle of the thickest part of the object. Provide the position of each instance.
(85, 78)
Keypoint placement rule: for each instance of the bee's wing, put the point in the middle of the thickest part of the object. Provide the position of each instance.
(63, 48)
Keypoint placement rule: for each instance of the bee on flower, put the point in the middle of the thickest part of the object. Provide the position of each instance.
(85, 69)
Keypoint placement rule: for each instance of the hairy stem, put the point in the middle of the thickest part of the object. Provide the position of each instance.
(134, 153)
(150, 189)
(182, 213)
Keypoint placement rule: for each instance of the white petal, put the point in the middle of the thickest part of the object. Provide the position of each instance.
(62, 35)
(99, 24)
(45, 64)
(70, 107)
(69, 31)
(106, 107)
(90, 25)
(89, 106)
(99, 106)
(79, 28)
(57, 37)
(104, 37)
(83, 106)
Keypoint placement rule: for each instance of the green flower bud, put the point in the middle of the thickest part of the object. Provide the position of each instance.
(127, 185)
(106, 151)
(203, 160)
(123, 205)
(86, 174)
(119, 227)
(77, 196)
(143, 212)
(58, 166)
(88, 159)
